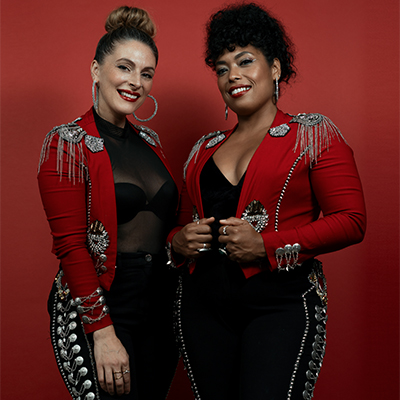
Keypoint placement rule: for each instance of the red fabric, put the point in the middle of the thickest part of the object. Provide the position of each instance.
(332, 186)
(66, 204)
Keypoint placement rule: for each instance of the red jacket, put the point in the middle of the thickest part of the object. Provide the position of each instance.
(295, 175)
(77, 189)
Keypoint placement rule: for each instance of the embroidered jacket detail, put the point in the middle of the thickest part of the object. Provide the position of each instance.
(315, 133)
(195, 149)
(217, 139)
(94, 144)
(73, 352)
(256, 215)
(148, 135)
(319, 335)
(69, 135)
(279, 131)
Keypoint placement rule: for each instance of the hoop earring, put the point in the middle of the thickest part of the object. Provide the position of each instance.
(154, 113)
(276, 89)
(95, 95)
(226, 112)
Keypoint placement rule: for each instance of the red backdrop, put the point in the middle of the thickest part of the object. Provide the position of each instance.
(348, 70)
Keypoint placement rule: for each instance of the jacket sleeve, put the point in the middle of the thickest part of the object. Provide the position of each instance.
(337, 189)
(65, 205)
(185, 216)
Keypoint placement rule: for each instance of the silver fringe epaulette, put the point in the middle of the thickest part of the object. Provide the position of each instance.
(315, 132)
(195, 149)
(148, 135)
(70, 134)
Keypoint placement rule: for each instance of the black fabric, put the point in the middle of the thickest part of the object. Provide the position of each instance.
(242, 336)
(141, 305)
(220, 198)
(146, 195)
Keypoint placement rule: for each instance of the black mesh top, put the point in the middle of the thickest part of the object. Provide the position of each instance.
(146, 194)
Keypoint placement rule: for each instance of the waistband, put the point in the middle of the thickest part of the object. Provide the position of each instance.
(138, 259)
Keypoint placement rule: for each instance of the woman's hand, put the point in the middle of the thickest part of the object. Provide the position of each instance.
(193, 237)
(112, 362)
(242, 242)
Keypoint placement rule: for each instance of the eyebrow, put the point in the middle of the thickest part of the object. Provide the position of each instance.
(132, 63)
(236, 57)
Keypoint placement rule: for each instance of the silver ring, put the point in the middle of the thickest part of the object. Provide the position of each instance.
(224, 230)
(204, 248)
(223, 251)
(126, 372)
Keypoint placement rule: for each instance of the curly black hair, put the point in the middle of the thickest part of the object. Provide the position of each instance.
(244, 24)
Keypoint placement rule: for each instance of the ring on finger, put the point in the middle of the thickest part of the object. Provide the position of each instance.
(121, 374)
(224, 230)
(204, 248)
(126, 372)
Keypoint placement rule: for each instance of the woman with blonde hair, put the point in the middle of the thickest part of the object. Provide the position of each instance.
(110, 199)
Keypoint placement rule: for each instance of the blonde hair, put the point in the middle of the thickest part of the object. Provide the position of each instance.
(126, 23)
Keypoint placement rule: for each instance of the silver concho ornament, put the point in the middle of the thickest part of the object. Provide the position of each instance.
(256, 215)
(97, 238)
(308, 119)
(279, 131)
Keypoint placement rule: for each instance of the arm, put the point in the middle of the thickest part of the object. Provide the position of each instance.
(337, 188)
(65, 204)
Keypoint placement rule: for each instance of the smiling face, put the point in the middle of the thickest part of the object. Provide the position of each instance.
(246, 80)
(124, 79)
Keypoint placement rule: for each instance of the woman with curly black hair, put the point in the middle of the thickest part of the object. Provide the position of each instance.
(259, 203)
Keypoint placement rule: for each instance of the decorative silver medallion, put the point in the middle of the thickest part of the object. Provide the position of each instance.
(256, 215)
(308, 119)
(94, 144)
(148, 135)
(147, 138)
(71, 132)
(97, 237)
(279, 131)
(217, 139)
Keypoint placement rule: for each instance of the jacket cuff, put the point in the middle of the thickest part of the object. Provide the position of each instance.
(173, 262)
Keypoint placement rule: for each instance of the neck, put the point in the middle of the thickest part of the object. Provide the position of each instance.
(260, 120)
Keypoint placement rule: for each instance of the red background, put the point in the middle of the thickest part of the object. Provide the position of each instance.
(348, 69)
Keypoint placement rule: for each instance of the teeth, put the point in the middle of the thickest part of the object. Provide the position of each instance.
(238, 90)
(130, 96)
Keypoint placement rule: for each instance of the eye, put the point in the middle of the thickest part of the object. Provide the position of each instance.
(123, 67)
(147, 75)
(221, 71)
(247, 61)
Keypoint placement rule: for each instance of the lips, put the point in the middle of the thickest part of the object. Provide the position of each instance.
(238, 91)
(129, 96)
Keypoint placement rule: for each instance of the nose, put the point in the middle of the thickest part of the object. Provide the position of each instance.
(234, 74)
(134, 81)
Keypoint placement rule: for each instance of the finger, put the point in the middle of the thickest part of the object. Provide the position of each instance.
(206, 221)
(119, 382)
(127, 380)
(223, 230)
(109, 381)
(101, 378)
(232, 221)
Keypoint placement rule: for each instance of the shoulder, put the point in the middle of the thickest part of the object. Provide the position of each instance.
(315, 133)
(212, 140)
(148, 135)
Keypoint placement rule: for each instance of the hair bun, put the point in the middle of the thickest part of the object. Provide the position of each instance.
(130, 17)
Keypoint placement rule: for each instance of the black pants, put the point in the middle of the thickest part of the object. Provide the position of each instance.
(141, 307)
(141, 301)
(257, 339)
